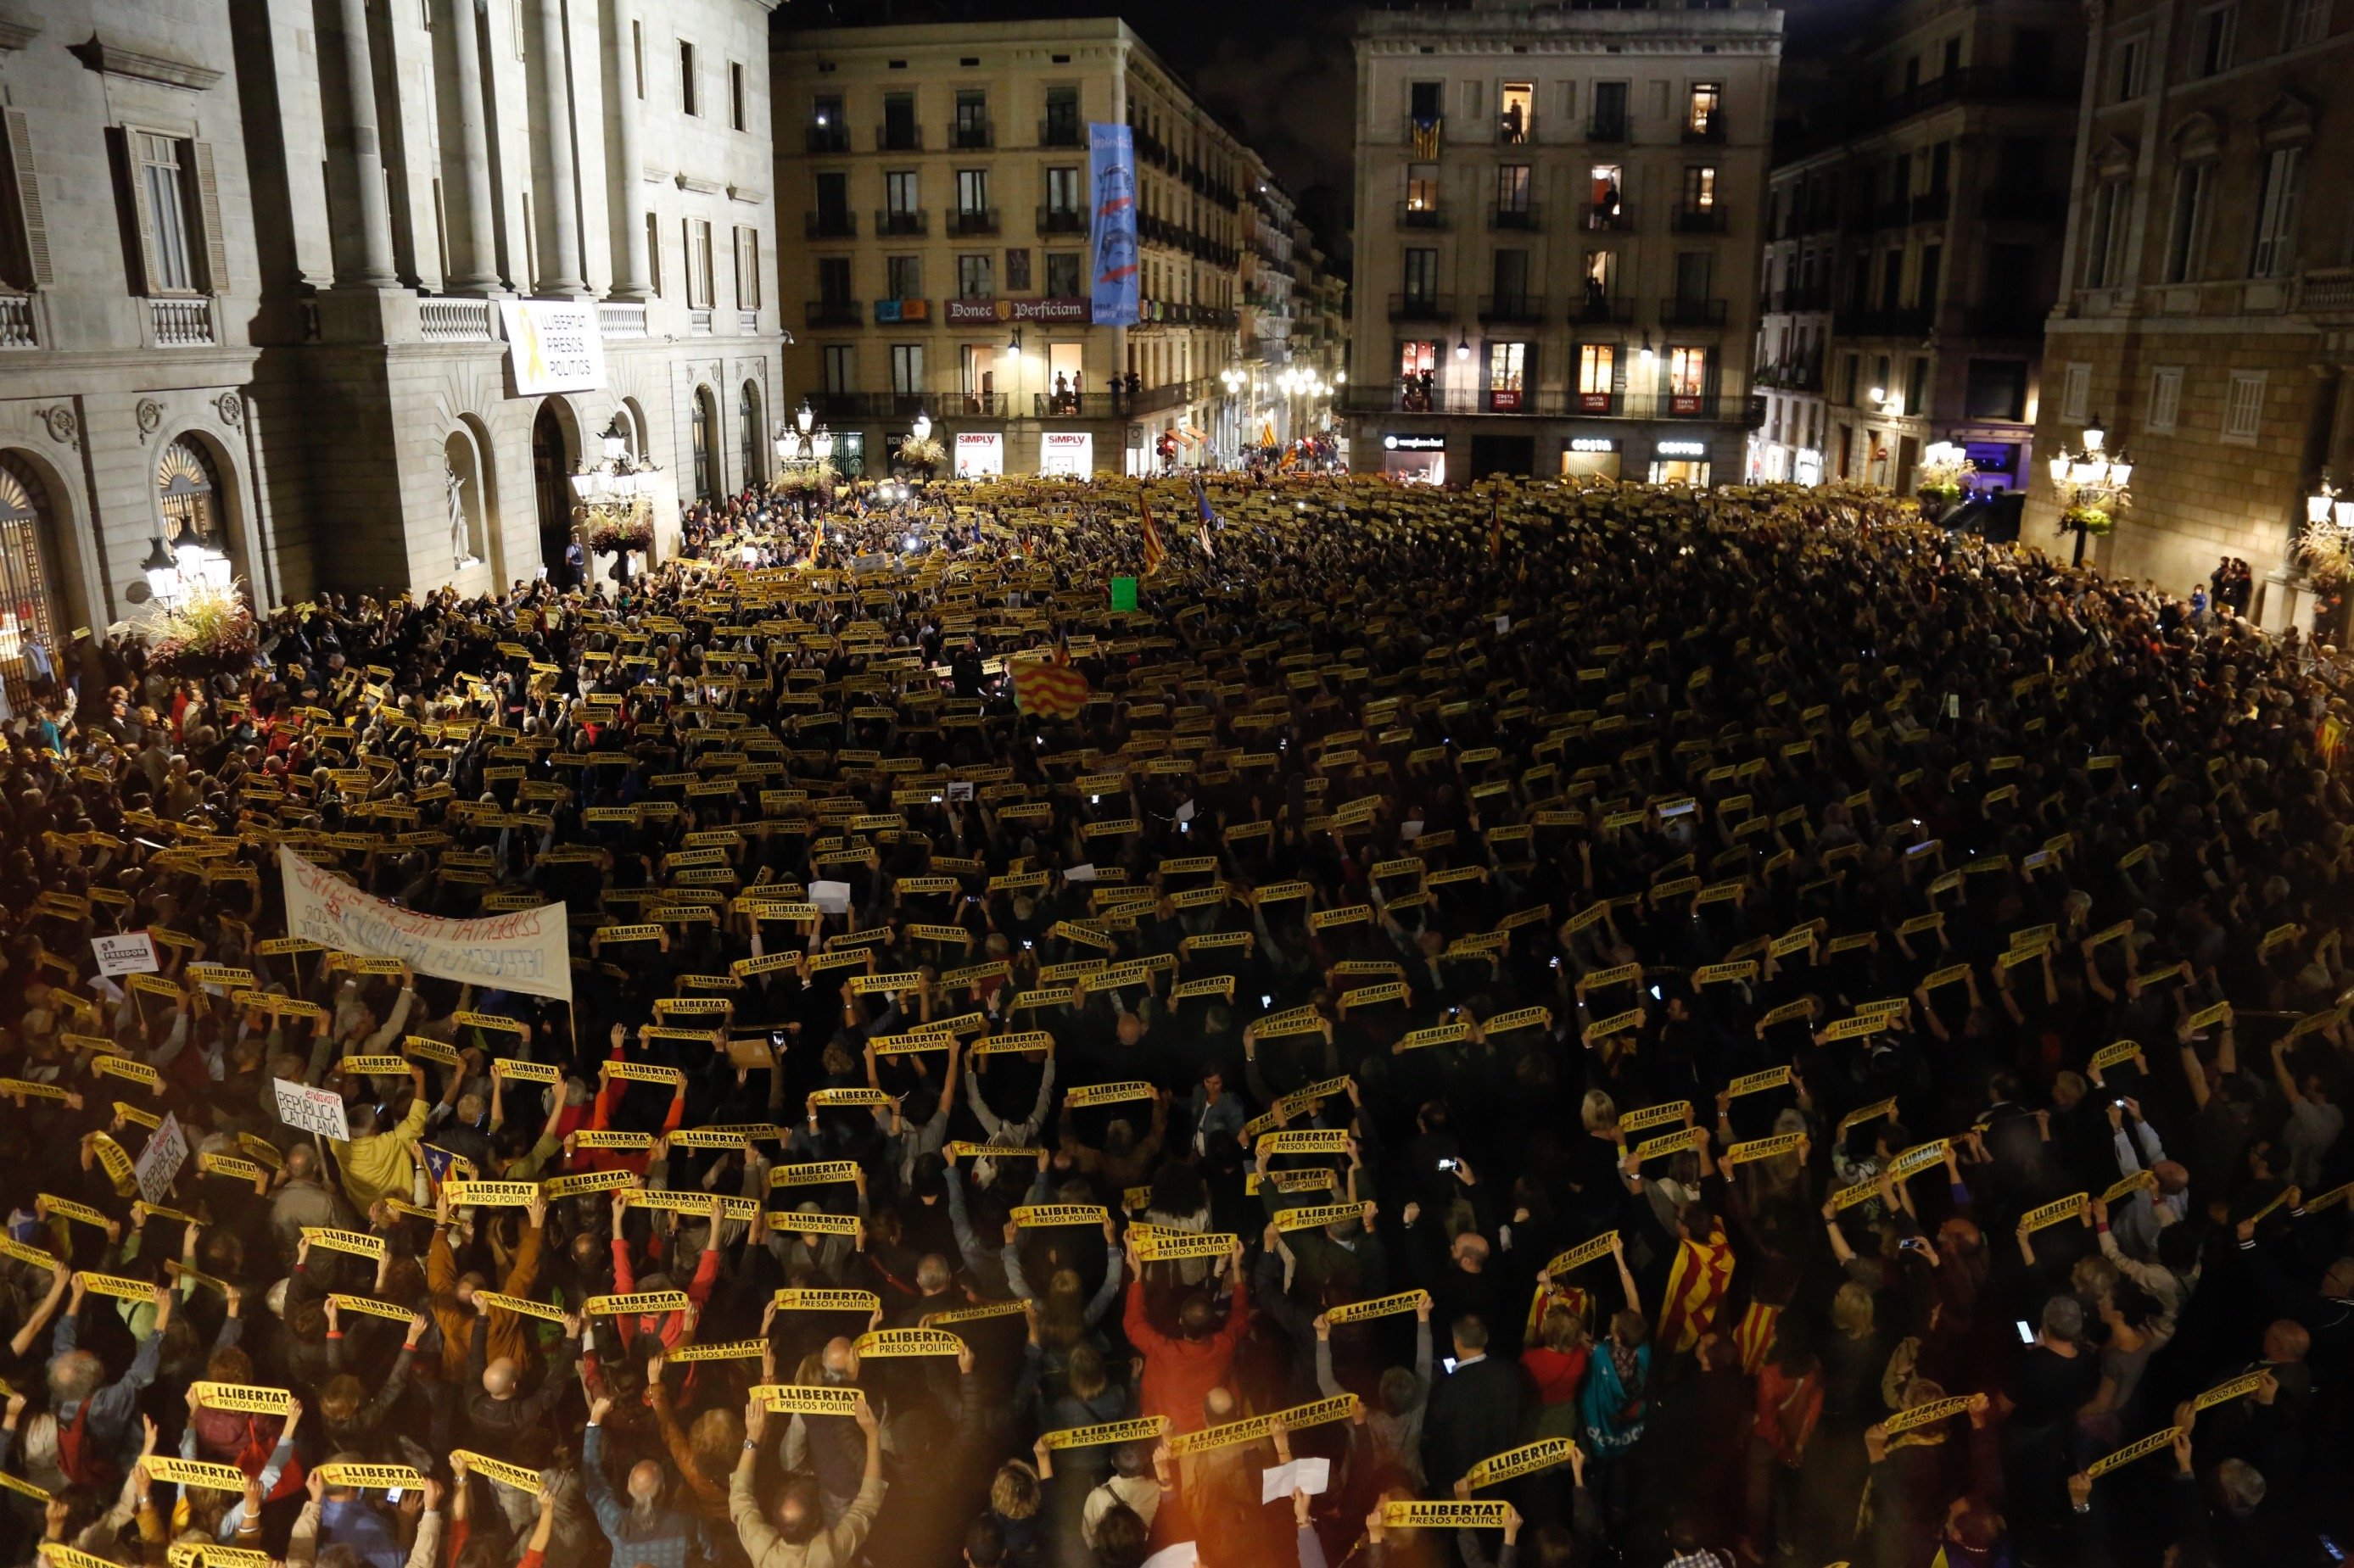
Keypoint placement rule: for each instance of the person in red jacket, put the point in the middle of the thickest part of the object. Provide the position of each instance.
(670, 1328)
(1179, 1372)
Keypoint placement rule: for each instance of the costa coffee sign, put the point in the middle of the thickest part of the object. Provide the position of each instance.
(1067, 312)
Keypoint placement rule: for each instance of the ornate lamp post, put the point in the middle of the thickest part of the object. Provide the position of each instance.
(2090, 487)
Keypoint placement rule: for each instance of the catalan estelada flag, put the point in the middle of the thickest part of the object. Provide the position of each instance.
(1696, 1288)
(1155, 551)
(1050, 688)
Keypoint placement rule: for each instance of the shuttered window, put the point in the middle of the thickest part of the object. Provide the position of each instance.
(25, 245)
(174, 194)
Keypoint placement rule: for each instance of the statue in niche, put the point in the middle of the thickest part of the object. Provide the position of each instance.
(460, 540)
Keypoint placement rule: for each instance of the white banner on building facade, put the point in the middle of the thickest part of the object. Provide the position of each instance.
(553, 345)
(523, 951)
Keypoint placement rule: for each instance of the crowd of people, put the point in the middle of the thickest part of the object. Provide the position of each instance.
(1555, 1024)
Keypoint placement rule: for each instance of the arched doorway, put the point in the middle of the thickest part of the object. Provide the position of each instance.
(706, 445)
(747, 432)
(551, 471)
(28, 612)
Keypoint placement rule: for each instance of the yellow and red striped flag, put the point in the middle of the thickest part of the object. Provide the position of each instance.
(1050, 688)
(1155, 551)
(1696, 1288)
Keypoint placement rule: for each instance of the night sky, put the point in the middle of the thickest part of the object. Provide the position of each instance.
(1281, 73)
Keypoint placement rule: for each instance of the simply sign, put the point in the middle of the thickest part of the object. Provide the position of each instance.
(130, 953)
(312, 1109)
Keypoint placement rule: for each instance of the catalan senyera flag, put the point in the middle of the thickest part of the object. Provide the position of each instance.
(1050, 688)
(1696, 1288)
(817, 539)
(1755, 1335)
(1155, 551)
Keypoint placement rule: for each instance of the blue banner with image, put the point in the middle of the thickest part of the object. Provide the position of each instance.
(1111, 179)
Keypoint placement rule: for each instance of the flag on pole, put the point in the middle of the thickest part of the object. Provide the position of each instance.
(817, 539)
(1202, 509)
(1050, 688)
(1155, 551)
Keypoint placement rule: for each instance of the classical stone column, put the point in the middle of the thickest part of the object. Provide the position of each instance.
(370, 267)
(477, 271)
(631, 276)
(559, 209)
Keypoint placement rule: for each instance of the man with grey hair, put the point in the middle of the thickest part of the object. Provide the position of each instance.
(641, 1530)
(98, 1422)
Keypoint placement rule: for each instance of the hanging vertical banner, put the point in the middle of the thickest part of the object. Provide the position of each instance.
(1111, 178)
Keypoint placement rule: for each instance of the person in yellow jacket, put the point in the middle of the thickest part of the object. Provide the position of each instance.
(379, 1164)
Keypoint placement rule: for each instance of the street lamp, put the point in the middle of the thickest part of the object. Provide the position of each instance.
(921, 429)
(1463, 345)
(163, 574)
(2323, 507)
(2090, 487)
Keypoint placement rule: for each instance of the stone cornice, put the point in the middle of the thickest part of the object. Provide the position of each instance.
(114, 54)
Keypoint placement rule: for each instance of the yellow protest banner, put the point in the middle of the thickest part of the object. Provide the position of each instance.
(2156, 1442)
(1527, 1459)
(806, 1399)
(735, 1351)
(359, 1244)
(1144, 1429)
(492, 1194)
(1378, 1307)
(2056, 1212)
(806, 1299)
(514, 1477)
(1042, 1216)
(251, 1398)
(1926, 1415)
(1764, 1148)
(174, 1471)
(1444, 1515)
(636, 1303)
(1584, 1253)
(981, 1313)
(2224, 1393)
(1309, 1219)
(897, 1342)
(372, 1478)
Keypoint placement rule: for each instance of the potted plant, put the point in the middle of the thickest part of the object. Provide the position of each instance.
(922, 453)
(211, 631)
(1937, 482)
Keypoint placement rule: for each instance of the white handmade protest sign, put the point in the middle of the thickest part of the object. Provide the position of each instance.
(131, 953)
(160, 1160)
(524, 950)
(310, 1109)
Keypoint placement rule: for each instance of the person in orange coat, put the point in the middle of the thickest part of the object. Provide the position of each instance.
(454, 1293)
(1180, 1371)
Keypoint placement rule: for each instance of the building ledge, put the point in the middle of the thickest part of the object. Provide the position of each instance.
(114, 54)
(18, 29)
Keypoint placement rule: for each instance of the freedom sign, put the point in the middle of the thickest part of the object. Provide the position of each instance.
(524, 950)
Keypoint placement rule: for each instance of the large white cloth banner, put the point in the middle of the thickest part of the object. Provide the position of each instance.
(523, 951)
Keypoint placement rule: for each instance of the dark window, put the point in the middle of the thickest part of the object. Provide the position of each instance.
(1997, 390)
(1062, 275)
(1426, 97)
(834, 279)
(833, 199)
(1017, 272)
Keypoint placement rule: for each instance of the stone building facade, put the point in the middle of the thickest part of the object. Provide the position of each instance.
(941, 173)
(2206, 317)
(259, 260)
(1557, 238)
(1913, 247)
